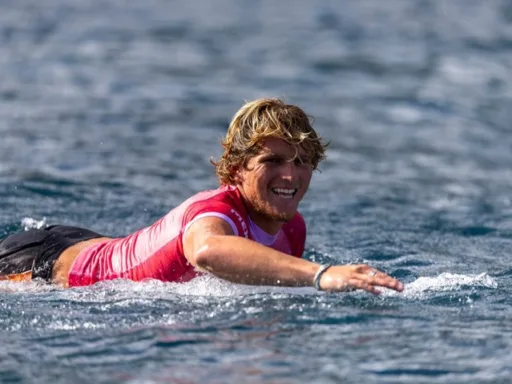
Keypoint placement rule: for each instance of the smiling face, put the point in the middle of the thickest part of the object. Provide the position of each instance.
(273, 182)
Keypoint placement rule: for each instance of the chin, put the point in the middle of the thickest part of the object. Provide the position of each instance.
(282, 216)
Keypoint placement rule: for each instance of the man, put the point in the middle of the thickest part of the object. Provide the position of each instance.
(247, 231)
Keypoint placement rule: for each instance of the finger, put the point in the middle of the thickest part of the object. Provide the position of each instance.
(368, 270)
(382, 280)
(362, 268)
(357, 283)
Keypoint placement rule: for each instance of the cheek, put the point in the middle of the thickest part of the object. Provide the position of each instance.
(261, 177)
(262, 183)
(306, 176)
(255, 182)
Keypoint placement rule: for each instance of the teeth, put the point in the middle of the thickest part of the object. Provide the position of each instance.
(284, 192)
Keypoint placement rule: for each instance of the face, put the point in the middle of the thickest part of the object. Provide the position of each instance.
(273, 183)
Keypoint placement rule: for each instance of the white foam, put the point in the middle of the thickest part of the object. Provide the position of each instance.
(207, 286)
(30, 223)
(32, 286)
(443, 283)
(202, 286)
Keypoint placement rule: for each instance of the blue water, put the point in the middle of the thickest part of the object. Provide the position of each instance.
(110, 111)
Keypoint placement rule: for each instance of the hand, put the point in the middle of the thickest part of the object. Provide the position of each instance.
(362, 276)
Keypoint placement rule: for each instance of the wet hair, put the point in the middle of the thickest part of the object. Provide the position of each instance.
(261, 119)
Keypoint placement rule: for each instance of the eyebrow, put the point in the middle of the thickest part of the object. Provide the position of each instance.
(266, 156)
(304, 158)
(271, 154)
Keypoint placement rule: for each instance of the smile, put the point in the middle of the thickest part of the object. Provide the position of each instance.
(284, 193)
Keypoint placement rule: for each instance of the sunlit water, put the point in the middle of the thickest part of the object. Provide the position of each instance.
(110, 112)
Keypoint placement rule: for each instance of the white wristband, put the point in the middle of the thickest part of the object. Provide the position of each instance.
(318, 275)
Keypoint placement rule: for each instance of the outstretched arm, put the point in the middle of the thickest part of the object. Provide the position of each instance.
(210, 244)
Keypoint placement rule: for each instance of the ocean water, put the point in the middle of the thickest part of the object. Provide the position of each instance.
(110, 111)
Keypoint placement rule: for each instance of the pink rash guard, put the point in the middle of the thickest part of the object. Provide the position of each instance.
(156, 252)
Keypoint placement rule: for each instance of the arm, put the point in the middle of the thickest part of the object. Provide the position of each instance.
(209, 244)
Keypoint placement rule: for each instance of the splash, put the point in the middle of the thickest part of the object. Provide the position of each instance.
(30, 223)
(32, 286)
(208, 286)
(200, 288)
(443, 283)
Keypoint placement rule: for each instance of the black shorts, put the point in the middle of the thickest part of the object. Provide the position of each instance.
(37, 250)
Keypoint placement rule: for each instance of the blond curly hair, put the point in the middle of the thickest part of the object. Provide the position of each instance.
(261, 119)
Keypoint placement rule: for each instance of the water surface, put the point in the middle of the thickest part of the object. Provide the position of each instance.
(110, 112)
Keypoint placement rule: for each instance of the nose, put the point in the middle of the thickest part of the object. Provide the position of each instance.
(289, 171)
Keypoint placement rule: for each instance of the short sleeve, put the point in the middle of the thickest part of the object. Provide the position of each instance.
(218, 209)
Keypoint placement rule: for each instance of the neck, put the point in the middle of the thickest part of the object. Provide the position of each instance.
(269, 225)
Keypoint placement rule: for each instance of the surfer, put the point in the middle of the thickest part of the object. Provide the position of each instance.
(247, 231)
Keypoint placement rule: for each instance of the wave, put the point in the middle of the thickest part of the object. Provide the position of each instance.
(209, 286)
(445, 282)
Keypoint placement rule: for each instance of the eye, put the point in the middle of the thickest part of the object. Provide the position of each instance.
(272, 160)
(302, 161)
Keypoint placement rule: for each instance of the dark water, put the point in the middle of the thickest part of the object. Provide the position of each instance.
(110, 110)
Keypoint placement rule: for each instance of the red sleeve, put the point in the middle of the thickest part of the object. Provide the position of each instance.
(295, 231)
(220, 209)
